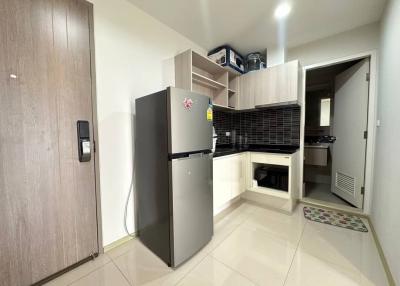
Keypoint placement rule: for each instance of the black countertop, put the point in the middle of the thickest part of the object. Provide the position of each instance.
(227, 149)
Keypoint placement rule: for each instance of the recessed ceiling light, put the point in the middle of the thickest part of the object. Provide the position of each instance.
(282, 10)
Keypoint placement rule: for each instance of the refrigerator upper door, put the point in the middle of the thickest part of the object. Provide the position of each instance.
(190, 121)
(192, 205)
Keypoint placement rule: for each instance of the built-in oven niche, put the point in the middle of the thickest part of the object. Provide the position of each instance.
(268, 176)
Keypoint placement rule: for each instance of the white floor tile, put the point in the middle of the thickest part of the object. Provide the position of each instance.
(222, 229)
(308, 270)
(140, 265)
(353, 250)
(286, 226)
(104, 276)
(173, 277)
(251, 246)
(323, 192)
(123, 248)
(337, 245)
(256, 254)
(210, 272)
(80, 271)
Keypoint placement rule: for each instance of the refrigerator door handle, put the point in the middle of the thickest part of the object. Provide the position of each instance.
(196, 155)
(192, 156)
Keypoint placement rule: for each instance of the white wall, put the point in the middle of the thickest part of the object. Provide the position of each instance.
(386, 200)
(134, 57)
(276, 56)
(362, 39)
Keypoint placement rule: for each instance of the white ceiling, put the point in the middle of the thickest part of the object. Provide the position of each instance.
(249, 25)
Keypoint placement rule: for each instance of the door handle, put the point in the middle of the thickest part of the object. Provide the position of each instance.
(196, 155)
(84, 148)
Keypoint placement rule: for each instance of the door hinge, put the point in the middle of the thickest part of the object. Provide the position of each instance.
(362, 190)
(365, 134)
(367, 76)
(94, 146)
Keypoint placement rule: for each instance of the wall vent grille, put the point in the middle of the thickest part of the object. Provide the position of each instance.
(345, 183)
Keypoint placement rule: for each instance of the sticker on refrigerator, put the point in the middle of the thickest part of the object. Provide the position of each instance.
(209, 113)
(188, 103)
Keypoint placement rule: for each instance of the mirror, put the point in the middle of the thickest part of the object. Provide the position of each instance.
(325, 114)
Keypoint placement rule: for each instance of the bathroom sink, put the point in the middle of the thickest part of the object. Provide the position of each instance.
(317, 145)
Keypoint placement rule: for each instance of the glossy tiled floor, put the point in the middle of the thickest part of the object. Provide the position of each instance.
(251, 246)
(323, 192)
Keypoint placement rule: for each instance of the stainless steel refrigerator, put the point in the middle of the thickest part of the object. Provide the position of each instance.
(174, 195)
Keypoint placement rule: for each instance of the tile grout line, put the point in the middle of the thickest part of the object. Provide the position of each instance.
(87, 274)
(116, 265)
(295, 253)
(120, 271)
(234, 270)
(209, 253)
(331, 262)
(229, 267)
(190, 270)
(236, 227)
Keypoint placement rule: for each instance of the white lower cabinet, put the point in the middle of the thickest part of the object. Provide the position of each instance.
(221, 182)
(233, 177)
(237, 175)
(228, 179)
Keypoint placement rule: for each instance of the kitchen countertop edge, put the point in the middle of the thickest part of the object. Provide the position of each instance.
(232, 152)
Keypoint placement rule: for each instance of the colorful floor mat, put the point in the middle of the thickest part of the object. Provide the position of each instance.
(334, 218)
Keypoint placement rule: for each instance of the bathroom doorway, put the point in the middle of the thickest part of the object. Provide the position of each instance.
(335, 133)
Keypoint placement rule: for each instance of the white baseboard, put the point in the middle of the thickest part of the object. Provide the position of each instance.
(118, 242)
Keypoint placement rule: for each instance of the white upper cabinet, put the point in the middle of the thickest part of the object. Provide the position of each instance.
(248, 88)
(272, 86)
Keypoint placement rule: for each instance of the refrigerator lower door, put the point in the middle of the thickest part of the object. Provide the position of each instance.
(190, 121)
(192, 205)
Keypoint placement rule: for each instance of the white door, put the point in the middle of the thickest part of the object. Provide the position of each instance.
(349, 124)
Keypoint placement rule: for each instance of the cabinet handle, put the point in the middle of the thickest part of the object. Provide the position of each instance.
(296, 102)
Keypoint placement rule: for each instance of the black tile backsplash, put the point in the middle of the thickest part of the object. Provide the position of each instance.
(278, 126)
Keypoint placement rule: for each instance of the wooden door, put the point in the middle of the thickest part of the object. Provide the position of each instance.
(47, 197)
(350, 120)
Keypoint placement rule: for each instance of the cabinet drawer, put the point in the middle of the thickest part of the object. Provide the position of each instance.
(284, 160)
(316, 156)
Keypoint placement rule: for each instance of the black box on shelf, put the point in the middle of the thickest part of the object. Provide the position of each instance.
(226, 56)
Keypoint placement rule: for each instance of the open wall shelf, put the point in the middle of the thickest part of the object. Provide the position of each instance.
(207, 82)
(198, 73)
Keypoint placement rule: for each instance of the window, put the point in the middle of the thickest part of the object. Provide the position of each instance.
(325, 115)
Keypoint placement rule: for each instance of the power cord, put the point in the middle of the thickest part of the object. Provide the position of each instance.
(131, 188)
